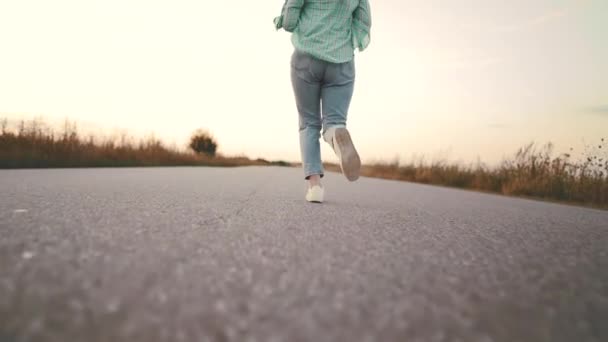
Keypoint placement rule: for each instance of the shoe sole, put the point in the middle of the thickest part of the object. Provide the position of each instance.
(349, 158)
(314, 200)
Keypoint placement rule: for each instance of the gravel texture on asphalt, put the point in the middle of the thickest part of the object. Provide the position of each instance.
(237, 254)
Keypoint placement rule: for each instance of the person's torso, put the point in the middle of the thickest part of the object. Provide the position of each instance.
(325, 29)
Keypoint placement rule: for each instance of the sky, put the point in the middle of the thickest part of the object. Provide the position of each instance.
(445, 79)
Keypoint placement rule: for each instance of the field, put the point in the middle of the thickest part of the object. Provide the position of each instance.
(533, 171)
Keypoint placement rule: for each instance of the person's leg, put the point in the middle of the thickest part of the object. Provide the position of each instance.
(307, 90)
(314, 180)
(336, 94)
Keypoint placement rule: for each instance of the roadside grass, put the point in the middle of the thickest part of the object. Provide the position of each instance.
(534, 171)
(34, 144)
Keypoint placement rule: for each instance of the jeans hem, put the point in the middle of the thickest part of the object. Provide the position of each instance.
(312, 172)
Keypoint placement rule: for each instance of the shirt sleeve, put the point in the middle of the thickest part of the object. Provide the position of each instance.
(278, 21)
(362, 24)
(290, 15)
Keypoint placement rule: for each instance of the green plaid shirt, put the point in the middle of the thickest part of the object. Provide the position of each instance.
(330, 31)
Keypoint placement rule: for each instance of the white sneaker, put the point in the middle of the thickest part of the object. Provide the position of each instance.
(315, 194)
(340, 141)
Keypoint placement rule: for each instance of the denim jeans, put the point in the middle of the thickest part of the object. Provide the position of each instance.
(323, 91)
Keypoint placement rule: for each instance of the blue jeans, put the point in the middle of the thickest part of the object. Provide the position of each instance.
(323, 91)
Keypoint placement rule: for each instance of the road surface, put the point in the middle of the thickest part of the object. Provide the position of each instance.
(214, 254)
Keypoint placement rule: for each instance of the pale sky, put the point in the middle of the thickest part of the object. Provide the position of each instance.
(455, 78)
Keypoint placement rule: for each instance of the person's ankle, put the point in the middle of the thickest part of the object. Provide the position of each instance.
(314, 180)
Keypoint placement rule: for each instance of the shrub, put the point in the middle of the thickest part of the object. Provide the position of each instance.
(202, 142)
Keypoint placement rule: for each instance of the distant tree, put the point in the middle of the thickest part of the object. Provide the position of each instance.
(4, 126)
(202, 142)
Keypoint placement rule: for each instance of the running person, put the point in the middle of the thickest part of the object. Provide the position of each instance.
(325, 35)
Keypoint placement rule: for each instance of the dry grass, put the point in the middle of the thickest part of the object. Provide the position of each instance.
(532, 172)
(34, 145)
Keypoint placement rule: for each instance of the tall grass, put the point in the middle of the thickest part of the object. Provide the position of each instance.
(534, 171)
(34, 144)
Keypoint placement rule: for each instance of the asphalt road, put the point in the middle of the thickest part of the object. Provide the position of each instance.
(212, 254)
